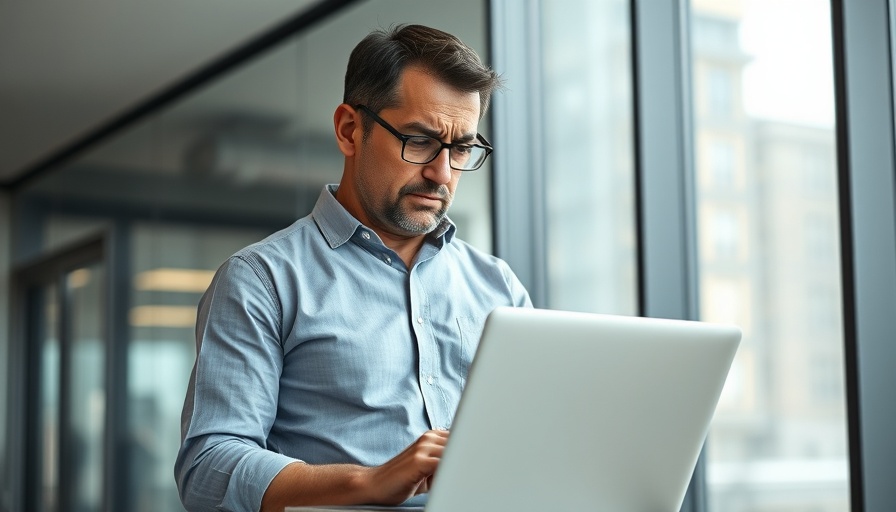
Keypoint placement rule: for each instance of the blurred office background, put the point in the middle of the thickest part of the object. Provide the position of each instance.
(129, 174)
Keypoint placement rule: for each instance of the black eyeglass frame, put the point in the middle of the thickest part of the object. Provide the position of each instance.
(486, 145)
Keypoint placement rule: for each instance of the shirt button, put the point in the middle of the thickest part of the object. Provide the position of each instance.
(365, 235)
(387, 259)
(430, 380)
(420, 320)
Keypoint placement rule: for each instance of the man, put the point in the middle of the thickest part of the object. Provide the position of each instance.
(331, 355)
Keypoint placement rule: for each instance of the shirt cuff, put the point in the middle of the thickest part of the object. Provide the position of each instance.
(251, 478)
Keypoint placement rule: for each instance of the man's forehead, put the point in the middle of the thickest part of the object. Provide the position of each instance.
(419, 81)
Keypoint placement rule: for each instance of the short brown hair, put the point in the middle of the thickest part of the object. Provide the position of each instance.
(377, 62)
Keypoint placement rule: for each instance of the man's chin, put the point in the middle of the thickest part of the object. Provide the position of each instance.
(420, 224)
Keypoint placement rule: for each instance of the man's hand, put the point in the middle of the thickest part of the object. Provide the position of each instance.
(404, 476)
(410, 472)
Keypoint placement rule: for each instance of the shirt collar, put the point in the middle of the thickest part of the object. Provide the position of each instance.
(338, 225)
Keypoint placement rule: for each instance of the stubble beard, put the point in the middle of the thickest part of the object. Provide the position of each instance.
(409, 221)
(394, 217)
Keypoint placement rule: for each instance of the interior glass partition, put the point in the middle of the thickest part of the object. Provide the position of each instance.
(768, 249)
(49, 403)
(86, 387)
(172, 264)
(66, 347)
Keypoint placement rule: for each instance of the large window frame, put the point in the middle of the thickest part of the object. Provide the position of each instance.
(863, 63)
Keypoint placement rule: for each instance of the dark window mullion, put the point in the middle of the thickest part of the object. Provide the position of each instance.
(863, 61)
(66, 439)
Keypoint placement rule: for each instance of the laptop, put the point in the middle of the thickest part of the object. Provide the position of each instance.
(575, 411)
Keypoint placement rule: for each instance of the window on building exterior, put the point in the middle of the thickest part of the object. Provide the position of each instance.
(719, 88)
(721, 163)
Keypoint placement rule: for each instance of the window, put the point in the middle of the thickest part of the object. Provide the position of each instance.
(816, 166)
(721, 163)
(778, 441)
(588, 156)
(719, 87)
(725, 235)
(819, 237)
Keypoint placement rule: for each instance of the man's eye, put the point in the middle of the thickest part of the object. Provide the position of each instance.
(463, 150)
(420, 142)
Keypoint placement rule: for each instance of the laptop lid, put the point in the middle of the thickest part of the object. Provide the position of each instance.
(578, 411)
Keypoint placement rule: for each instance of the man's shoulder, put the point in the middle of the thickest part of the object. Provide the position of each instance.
(288, 238)
(283, 246)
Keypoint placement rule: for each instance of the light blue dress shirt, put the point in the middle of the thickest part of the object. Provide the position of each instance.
(318, 344)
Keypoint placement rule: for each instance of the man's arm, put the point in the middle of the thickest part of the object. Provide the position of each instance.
(231, 402)
(406, 475)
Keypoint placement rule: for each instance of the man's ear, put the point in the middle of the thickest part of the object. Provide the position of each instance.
(347, 124)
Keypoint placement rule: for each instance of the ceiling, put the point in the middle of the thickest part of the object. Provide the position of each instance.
(69, 68)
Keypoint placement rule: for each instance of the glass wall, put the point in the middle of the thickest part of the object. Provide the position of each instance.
(49, 404)
(172, 264)
(768, 246)
(87, 386)
(586, 87)
(176, 194)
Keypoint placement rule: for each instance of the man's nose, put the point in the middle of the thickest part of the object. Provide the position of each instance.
(439, 170)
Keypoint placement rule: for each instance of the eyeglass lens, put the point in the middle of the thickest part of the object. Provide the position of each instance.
(421, 150)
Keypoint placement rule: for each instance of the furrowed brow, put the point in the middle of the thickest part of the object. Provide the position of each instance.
(422, 129)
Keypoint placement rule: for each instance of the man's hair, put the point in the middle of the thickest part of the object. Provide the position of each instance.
(377, 62)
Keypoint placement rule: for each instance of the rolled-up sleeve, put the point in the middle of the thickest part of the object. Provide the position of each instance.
(231, 402)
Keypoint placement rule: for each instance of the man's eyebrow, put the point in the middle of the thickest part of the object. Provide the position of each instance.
(422, 129)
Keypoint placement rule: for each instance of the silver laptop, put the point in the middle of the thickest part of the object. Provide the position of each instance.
(574, 411)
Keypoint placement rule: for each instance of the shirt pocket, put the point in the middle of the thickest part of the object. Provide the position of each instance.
(470, 329)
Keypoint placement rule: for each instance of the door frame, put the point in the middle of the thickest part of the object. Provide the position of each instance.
(25, 455)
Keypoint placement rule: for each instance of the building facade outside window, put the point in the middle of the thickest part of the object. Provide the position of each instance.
(778, 441)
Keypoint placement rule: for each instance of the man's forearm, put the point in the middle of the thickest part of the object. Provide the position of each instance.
(301, 484)
(407, 474)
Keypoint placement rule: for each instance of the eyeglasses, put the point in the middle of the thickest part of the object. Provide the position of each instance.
(422, 149)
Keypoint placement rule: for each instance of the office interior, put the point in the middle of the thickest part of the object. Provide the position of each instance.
(716, 160)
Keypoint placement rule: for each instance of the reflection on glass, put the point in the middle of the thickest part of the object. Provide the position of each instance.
(87, 388)
(768, 252)
(49, 401)
(588, 156)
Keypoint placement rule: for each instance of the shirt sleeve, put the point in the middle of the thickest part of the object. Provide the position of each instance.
(519, 296)
(231, 402)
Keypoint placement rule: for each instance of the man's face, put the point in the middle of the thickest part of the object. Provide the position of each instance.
(404, 199)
